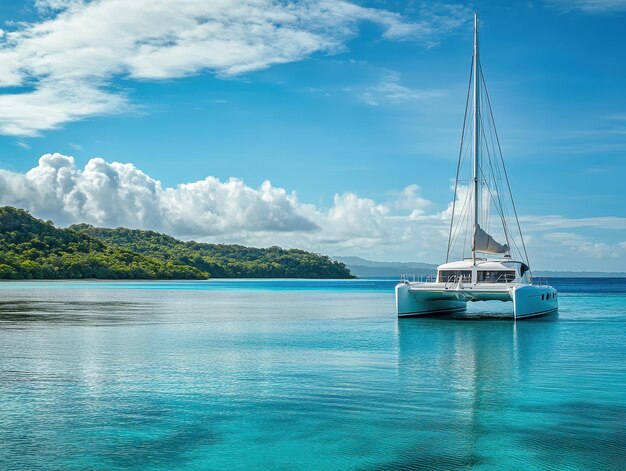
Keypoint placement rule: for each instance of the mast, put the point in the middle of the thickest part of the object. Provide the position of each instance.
(476, 134)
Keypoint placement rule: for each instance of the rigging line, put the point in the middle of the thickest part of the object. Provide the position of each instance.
(485, 207)
(462, 225)
(497, 180)
(514, 244)
(467, 229)
(485, 179)
(465, 162)
(515, 248)
(490, 116)
(464, 213)
(458, 166)
(497, 202)
(494, 199)
(497, 175)
(484, 213)
(462, 216)
(508, 184)
(495, 169)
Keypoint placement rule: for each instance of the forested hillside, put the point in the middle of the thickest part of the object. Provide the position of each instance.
(221, 260)
(31, 248)
(34, 249)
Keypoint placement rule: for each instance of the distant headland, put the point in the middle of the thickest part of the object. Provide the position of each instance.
(31, 248)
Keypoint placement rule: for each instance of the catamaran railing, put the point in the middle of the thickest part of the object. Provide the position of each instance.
(504, 279)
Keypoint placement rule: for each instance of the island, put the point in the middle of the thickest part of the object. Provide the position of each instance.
(31, 248)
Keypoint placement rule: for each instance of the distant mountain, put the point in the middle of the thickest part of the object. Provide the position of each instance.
(579, 274)
(368, 269)
(369, 263)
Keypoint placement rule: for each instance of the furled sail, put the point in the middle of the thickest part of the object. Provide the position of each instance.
(487, 244)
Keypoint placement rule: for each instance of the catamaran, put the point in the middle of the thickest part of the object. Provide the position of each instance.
(506, 276)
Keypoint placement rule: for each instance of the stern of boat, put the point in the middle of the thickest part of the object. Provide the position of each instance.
(534, 301)
(412, 304)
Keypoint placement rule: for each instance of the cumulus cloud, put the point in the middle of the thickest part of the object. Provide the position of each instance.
(359, 221)
(117, 194)
(410, 199)
(405, 226)
(68, 60)
(210, 206)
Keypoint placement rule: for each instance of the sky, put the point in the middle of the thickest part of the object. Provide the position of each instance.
(331, 126)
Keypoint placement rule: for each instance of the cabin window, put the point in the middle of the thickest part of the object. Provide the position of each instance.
(542, 298)
(496, 276)
(455, 275)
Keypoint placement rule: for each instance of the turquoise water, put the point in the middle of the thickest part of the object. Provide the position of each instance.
(291, 374)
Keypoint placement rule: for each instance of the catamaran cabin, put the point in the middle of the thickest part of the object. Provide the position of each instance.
(485, 271)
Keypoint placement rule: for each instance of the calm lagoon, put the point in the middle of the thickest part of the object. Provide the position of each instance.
(294, 374)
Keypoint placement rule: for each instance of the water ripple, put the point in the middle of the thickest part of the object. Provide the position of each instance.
(246, 375)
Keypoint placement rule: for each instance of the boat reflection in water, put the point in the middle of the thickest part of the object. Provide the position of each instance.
(477, 388)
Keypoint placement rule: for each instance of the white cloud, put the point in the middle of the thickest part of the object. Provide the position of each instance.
(212, 207)
(52, 104)
(590, 6)
(434, 21)
(389, 90)
(406, 226)
(49, 6)
(551, 222)
(584, 245)
(116, 194)
(356, 221)
(70, 59)
(565, 238)
(409, 199)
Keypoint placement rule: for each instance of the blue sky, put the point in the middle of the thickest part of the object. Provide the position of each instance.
(176, 117)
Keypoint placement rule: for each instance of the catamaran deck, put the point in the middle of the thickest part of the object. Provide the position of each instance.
(463, 291)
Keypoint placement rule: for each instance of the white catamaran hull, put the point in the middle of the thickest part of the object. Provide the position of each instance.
(430, 299)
